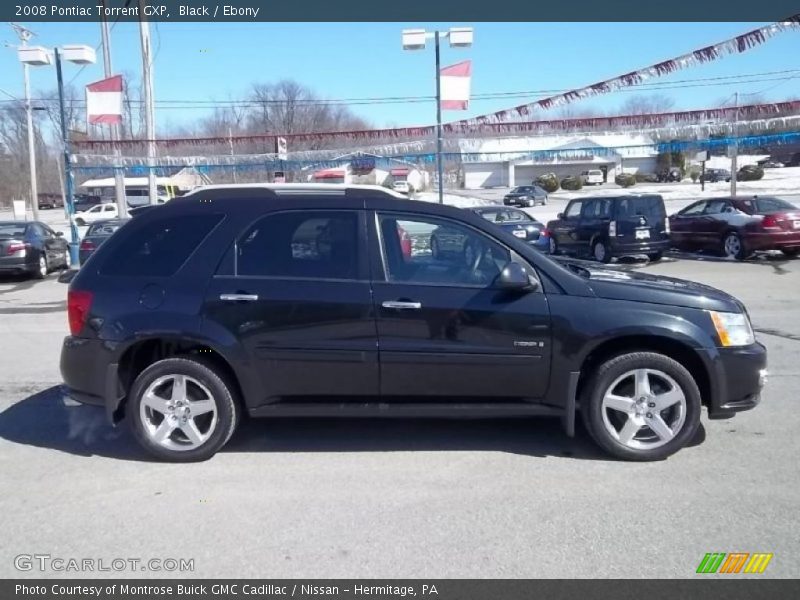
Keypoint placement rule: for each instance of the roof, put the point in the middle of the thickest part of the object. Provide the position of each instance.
(129, 181)
(290, 188)
(627, 145)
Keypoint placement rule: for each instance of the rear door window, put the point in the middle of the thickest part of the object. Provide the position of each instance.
(318, 245)
(159, 248)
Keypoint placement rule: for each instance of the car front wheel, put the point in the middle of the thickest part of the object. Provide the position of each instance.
(641, 406)
(182, 410)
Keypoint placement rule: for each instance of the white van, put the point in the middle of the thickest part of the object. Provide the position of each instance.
(592, 177)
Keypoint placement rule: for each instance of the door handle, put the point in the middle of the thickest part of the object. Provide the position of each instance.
(238, 297)
(398, 305)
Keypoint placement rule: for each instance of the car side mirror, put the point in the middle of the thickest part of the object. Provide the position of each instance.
(513, 277)
(59, 234)
(67, 276)
(560, 216)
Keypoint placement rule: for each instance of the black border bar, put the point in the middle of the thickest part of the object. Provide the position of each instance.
(405, 11)
(702, 587)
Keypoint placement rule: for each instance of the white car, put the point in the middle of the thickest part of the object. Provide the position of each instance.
(592, 177)
(99, 212)
(401, 186)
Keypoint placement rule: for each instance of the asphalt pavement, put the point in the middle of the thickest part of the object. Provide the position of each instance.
(406, 498)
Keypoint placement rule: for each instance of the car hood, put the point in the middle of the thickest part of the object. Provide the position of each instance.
(617, 284)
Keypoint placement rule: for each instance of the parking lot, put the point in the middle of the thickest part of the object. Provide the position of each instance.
(403, 498)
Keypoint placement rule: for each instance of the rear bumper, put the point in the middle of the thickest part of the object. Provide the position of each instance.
(90, 373)
(16, 264)
(779, 240)
(740, 375)
(640, 247)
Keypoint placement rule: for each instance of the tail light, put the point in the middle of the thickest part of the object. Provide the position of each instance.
(405, 241)
(78, 305)
(545, 232)
(612, 228)
(771, 220)
(16, 247)
(87, 245)
(666, 226)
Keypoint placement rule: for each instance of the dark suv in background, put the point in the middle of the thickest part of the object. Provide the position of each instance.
(302, 300)
(612, 226)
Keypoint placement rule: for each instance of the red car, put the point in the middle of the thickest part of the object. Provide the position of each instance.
(737, 227)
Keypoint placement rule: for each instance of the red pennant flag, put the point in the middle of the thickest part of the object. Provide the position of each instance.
(455, 84)
(104, 101)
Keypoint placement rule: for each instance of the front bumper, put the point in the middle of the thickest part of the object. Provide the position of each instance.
(740, 375)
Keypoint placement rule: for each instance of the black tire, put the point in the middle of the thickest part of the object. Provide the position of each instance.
(553, 246)
(605, 255)
(223, 395)
(544, 201)
(791, 252)
(732, 246)
(655, 256)
(598, 383)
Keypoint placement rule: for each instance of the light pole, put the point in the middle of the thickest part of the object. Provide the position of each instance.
(24, 35)
(80, 55)
(735, 149)
(414, 39)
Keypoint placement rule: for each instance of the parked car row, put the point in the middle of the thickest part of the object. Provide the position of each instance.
(608, 227)
(32, 248)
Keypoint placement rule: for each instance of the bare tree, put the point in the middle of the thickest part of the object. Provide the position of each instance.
(652, 103)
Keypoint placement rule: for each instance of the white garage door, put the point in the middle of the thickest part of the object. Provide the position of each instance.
(482, 175)
(524, 175)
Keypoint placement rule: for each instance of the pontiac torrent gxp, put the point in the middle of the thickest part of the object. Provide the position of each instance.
(301, 300)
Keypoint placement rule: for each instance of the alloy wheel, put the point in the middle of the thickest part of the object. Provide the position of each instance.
(43, 266)
(733, 245)
(644, 409)
(178, 412)
(553, 246)
(599, 251)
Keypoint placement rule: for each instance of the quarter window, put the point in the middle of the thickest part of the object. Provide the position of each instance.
(319, 245)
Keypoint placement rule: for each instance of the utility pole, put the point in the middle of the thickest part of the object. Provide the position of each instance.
(24, 35)
(147, 82)
(119, 173)
(735, 150)
(439, 166)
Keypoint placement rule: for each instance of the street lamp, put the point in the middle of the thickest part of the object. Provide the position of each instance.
(415, 39)
(80, 55)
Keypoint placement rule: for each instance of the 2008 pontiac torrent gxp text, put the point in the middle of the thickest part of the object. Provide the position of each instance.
(293, 300)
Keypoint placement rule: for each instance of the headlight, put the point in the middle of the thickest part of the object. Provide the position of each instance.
(733, 329)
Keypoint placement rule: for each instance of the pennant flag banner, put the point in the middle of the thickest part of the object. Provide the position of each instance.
(736, 45)
(455, 84)
(608, 124)
(303, 161)
(104, 101)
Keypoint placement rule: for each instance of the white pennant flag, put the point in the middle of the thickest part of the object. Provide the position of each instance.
(455, 84)
(104, 101)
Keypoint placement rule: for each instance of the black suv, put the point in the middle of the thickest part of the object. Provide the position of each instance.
(607, 227)
(287, 300)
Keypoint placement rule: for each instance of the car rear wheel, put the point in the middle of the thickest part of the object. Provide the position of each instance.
(655, 256)
(791, 252)
(641, 406)
(601, 252)
(553, 245)
(733, 246)
(182, 410)
(42, 268)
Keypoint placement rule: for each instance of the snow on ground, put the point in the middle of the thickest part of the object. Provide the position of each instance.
(458, 201)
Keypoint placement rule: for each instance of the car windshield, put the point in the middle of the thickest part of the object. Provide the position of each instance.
(645, 206)
(522, 190)
(12, 230)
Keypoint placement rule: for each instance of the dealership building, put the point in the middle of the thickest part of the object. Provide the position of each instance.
(510, 161)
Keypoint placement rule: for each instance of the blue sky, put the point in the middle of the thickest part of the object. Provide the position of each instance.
(214, 61)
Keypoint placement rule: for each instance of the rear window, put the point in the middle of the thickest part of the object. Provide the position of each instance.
(12, 230)
(104, 228)
(768, 206)
(159, 248)
(645, 206)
